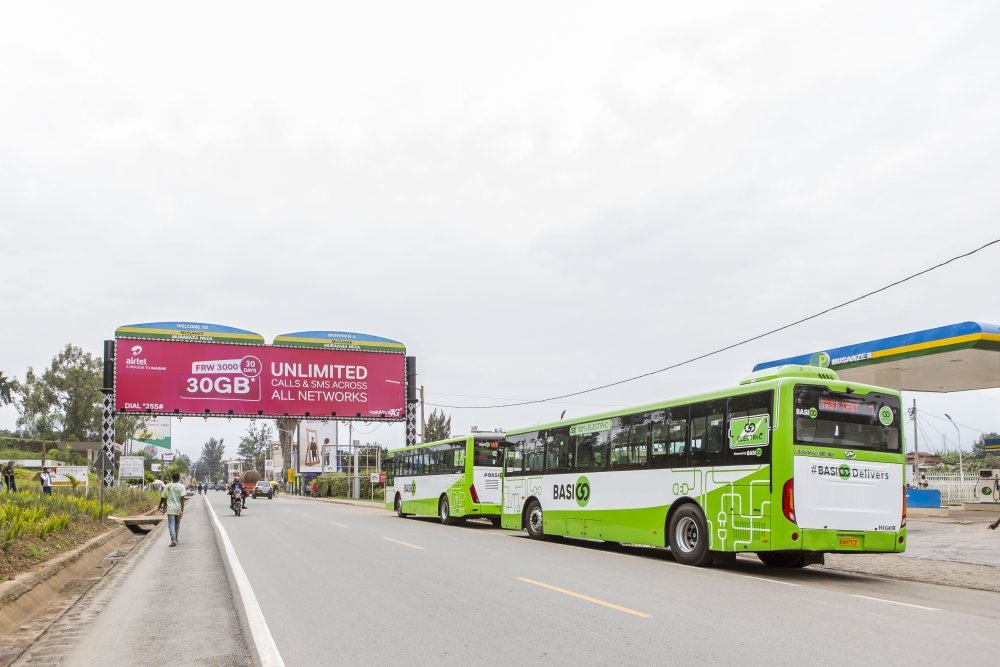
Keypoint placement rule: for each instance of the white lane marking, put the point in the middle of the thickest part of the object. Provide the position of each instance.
(340, 525)
(308, 516)
(773, 581)
(267, 650)
(405, 544)
(580, 596)
(904, 604)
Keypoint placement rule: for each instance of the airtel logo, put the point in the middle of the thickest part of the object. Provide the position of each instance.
(136, 350)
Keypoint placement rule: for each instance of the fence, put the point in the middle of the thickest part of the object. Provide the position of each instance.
(953, 492)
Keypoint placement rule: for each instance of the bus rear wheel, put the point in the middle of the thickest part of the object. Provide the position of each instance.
(772, 559)
(399, 507)
(444, 512)
(533, 520)
(688, 536)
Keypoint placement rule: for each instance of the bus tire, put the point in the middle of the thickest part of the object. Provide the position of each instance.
(775, 559)
(444, 512)
(688, 536)
(534, 520)
(399, 507)
(495, 520)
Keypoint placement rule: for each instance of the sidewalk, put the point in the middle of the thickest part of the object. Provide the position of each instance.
(163, 605)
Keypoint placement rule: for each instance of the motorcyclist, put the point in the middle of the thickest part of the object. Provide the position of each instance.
(236, 485)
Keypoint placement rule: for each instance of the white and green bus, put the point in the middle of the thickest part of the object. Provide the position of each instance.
(454, 479)
(791, 464)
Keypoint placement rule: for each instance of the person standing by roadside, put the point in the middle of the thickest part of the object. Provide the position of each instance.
(9, 479)
(172, 503)
(46, 479)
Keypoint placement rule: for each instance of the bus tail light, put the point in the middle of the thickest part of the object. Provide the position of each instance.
(473, 494)
(788, 500)
(902, 524)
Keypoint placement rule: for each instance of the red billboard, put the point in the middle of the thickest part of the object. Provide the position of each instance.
(166, 377)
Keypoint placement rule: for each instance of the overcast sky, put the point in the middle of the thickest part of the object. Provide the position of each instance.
(536, 198)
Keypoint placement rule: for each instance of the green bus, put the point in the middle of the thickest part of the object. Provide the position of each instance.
(791, 464)
(454, 479)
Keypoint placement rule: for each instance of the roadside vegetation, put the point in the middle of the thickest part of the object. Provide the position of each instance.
(35, 527)
(337, 485)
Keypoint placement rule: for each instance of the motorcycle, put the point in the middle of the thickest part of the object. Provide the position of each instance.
(236, 500)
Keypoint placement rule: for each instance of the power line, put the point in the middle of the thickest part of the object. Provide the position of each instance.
(727, 347)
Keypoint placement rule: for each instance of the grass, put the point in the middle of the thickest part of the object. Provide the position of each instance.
(35, 527)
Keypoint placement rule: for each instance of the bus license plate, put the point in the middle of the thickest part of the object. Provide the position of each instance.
(849, 542)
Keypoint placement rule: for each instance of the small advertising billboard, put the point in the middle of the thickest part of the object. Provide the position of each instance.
(318, 450)
(131, 467)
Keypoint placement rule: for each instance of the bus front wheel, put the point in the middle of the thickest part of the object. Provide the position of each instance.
(399, 507)
(688, 536)
(533, 521)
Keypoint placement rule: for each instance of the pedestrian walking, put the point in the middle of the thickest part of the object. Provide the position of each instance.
(9, 478)
(172, 504)
(46, 479)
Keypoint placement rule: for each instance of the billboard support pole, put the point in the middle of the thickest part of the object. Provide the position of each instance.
(108, 420)
(411, 401)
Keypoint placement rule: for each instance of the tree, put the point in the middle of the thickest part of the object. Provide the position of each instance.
(65, 401)
(437, 427)
(8, 387)
(979, 445)
(210, 463)
(255, 445)
(287, 428)
(181, 465)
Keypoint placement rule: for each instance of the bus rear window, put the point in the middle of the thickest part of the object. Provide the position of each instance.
(487, 455)
(847, 420)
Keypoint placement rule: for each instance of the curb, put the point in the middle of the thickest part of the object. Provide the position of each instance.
(24, 597)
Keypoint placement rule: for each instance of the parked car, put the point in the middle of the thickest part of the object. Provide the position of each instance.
(262, 488)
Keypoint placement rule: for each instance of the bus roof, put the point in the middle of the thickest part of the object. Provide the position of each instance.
(760, 381)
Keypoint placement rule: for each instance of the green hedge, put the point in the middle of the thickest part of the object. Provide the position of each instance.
(337, 485)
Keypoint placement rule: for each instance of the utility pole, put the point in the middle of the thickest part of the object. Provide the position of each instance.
(916, 448)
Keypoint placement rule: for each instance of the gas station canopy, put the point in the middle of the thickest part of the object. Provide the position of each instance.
(957, 357)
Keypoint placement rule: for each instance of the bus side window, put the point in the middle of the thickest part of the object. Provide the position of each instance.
(515, 459)
(676, 438)
(591, 451)
(656, 436)
(558, 455)
(531, 453)
(707, 447)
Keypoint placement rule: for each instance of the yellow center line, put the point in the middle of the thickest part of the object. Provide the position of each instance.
(405, 544)
(626, 610)
(338, 524)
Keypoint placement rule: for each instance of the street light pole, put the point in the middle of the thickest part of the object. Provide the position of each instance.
(961, 470)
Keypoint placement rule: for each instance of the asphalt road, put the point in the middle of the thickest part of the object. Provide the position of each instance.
(343, 584)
